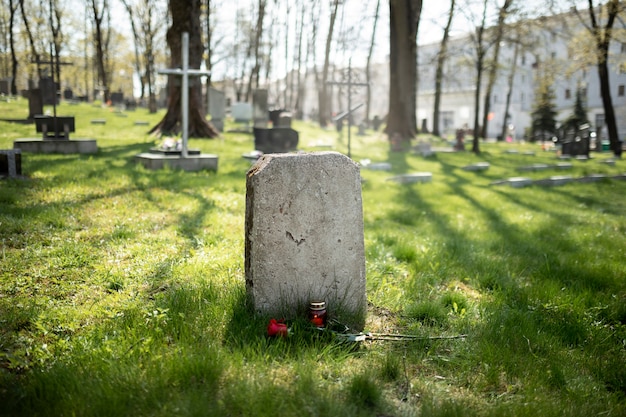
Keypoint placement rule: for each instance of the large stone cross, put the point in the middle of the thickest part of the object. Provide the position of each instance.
(185, 72)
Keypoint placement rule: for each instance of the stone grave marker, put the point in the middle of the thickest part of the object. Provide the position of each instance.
(375, 166)
(260, 111)
(424, 149)
(217, 108)
(519, 182)
(478, 166)
(412, 178)
(241, 113)
(534, 167)
(304, 236)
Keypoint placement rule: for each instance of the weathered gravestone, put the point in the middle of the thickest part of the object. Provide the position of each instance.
(217, 108)
(304, 235)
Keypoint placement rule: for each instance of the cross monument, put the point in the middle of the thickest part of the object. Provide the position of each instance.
(349, 84)
(185, 72)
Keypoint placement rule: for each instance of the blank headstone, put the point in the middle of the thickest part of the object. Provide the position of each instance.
(260, 110)
(241, 112)
(217, 108)
(304, 235)
(554, 180)
(412, 178)
(478, 166)
(519, 182)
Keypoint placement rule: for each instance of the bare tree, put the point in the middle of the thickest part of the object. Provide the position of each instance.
(143, 15)
(602, 35)
(299, 90)
(493, 67)
(402, 119)
(253, 80)
(481, 52)
(185, 18)
(370, 53)
(55, 17)
(101, 39)
(441, 59)
(36, 57)
(14, 62)
(323, 105)
(511, 79)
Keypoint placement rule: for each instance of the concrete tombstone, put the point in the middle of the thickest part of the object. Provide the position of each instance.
(304, 235)
(217, 108)
(260, 108)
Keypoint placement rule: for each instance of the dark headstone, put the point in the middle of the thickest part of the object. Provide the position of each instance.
(117, 98)
(35, 104)
(131, 104)
(68, 94)
(55, 127)
(376, 122)
(49, 91)
(10, 162)
(5, 86)
(276, 140)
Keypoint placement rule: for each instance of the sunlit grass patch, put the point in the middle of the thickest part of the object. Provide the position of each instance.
(122, 290)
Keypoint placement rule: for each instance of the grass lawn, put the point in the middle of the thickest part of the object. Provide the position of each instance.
(122, 290)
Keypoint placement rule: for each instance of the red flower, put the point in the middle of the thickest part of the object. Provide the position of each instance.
(277, 329)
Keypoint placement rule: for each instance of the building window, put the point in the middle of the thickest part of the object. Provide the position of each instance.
(620, 90)
(568, 94)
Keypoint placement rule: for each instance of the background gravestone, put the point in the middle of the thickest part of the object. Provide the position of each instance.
(217, 108)
(259, 108)
(49, 91)
(304, 235)
(5, 86)
(241, 112)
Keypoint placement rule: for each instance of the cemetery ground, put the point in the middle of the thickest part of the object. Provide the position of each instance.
(122, 290)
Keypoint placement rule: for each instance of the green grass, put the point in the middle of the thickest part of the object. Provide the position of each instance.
(122, 290)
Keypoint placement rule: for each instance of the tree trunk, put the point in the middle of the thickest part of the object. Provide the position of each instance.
(480, 60)
(603, 39)
(402, 119)
(98, 17)
(505, 118)
(185, 18)
(441, 59)
(14, 62)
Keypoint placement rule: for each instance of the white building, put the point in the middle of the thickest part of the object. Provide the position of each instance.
(554, 47)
